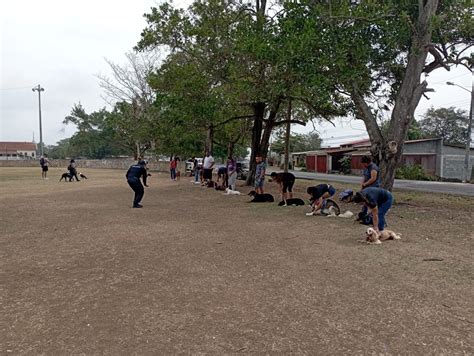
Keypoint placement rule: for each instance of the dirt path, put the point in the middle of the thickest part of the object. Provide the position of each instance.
(195, 271)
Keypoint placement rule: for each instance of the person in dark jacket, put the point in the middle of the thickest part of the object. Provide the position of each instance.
(133, 179)
(286, 181)
(379, 201)
(72, 170)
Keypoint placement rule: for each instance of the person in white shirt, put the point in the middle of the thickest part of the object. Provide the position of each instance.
(207, 167)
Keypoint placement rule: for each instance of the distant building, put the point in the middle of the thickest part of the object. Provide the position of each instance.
(17, 150)
(436, 157)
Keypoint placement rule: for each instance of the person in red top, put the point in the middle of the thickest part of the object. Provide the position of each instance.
(173, 165)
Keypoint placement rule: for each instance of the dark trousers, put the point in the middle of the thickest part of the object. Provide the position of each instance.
(173, 173)
(137, 187)
(383, 209)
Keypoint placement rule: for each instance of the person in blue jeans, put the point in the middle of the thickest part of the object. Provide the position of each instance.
(379, 201)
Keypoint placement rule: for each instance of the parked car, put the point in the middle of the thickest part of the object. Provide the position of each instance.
(190, 165)
(242, 170)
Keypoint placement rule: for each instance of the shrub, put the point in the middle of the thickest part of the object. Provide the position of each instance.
(411, 172)
(346, 164)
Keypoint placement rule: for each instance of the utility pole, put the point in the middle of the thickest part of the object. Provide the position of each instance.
(469, 130)
(287, 138)
(39, 89)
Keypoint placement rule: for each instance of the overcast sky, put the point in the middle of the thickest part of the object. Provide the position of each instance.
(62, 45)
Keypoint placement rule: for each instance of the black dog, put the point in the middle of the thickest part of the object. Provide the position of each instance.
(292, 201)
(65, 176)
(261, 198)
(82, 176)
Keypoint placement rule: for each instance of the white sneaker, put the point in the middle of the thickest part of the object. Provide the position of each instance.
(310, 214)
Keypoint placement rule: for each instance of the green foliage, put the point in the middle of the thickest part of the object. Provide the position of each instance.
(448, 123)
(411, 172)
(346, 164)
(298, 142)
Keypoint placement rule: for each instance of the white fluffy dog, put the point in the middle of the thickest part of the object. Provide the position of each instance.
(372, 237)
(229, 191)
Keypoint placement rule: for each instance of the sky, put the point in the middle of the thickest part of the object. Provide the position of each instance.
(61, 45)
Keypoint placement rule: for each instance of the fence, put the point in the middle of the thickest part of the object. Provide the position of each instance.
(108, 163)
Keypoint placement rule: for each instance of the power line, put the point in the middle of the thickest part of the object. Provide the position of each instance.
(16, 88)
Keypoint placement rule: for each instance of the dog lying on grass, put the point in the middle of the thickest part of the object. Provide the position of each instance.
(260, 198)
(372, 237)
(229, 191)
(292, 202)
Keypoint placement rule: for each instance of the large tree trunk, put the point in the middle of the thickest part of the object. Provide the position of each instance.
(209, 144)
(259, 112)
(287, 137)
(387, 151)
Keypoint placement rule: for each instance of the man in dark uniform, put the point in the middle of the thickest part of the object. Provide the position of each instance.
(133, 178)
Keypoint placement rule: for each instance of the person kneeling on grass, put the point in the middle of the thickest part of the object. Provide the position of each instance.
(379, 201)
(319, 194)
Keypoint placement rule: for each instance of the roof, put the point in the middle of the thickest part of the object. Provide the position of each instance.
(424, 140)
(358, 142)
(17, 146)
(309, 152)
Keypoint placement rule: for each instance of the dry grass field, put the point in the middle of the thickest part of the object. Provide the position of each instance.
(195, 271)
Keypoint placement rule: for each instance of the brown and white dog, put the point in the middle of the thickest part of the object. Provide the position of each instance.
(372, 237)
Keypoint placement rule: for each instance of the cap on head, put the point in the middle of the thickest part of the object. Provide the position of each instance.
(142, 162)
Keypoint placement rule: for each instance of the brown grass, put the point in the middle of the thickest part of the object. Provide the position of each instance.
(195, 271)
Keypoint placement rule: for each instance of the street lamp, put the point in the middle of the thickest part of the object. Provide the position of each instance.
(39, 89)
(469, 127)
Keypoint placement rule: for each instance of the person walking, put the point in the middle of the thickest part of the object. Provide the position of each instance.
(134, 173)
(72, 170)
(44, 163)
(260, 174)
(379, 201)
(231, 166)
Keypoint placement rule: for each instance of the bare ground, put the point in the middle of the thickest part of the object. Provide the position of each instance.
(195, 271)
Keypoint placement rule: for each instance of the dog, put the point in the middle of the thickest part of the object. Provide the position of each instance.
(178, 175)
(220, 187)
(260, 198)
(65, 176)
(83, 176)
(292, 201)
(229, 191)
(372, 237)
(332, 212)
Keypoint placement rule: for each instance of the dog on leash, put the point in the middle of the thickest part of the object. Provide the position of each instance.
(260, 198)
(65, 176)
(372, 237)
(83, 176)
(291, 202)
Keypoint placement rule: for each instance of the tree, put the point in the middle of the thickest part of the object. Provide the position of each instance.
(448, 123)
(244, 53)
(298, 142)
(129, 92)
(378, 51)
(94, 138)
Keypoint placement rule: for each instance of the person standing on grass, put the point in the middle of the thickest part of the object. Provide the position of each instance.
(286, 181)
(231, 166)
(195, 169)
(370, 177)
(379, 201)
(134, 173)
(207, 166)
(44, 163)
(173, 168)
(260, 174)
(177, 175)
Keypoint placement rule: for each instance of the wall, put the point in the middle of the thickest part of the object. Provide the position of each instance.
(108, 163)
(453, 162)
